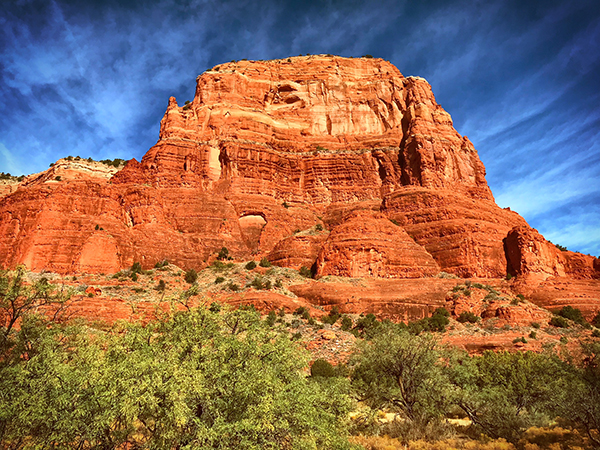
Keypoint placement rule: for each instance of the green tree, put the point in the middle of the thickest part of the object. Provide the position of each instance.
(191, 276)
(196, 380)
(403, 372)
(506, 393)
(582, 402)
(18, 299)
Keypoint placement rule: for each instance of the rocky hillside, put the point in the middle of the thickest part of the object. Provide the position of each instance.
(340, 165)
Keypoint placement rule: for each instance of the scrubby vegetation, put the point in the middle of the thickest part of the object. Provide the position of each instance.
(198, 379)
(213, 377)
(9, 177)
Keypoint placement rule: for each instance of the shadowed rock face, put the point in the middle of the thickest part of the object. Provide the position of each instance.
(264, 153)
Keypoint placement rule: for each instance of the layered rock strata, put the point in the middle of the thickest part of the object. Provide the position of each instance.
(266, 152)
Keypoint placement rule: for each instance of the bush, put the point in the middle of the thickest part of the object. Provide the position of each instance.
(161, 264)
(223, 254)
(134, 276)
(191, 276)
(140, 400)
(505, 393)
(250, 266)
(264, 262)
(533, 335)
(403, 372)
(271, 318)
(305, 272)
(559, 322)
(467, 316)
(333, 316)
(219, 266)
(346, 323)
(219, 280)
(319, 227)
(439, 320)
(574, 314)
(367, 326)
(233, 287)
(535, 325)
(136, 268)
(322, 368)
(596, 320)
(161, 286)
(259, 283)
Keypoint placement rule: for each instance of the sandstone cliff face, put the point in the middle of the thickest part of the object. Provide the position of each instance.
(367, 244)
(315, 130)
(264, 153)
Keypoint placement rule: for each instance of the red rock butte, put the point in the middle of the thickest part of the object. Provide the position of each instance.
(340, 164)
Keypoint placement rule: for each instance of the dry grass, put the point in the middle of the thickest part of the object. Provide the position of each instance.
(387, 443)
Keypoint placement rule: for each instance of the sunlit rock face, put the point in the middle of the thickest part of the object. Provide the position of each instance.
(342, 165)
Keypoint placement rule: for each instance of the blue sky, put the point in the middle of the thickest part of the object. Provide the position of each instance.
(520, 78)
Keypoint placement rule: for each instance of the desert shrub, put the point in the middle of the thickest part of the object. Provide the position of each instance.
(136, 268)
(535, 325)
(564, 340)
(223, 254)
(367, 326)
(533, 335)
(439, 320)
(134, 276)
(259, 283)
(219, 280)
(161, 286)
(520, 339)
(250, 266)
(300, 310)
(322, 368)
(305, 272)
(264, 262)
(346, 323)
(220, 266)
(319, 227)
(233, 287)
(271, 318)
(559, 322)
(574, 314)
(161, 264)
(332, 317)
(303, 312)
(191, 276)
(596, 320)
(467, 316)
